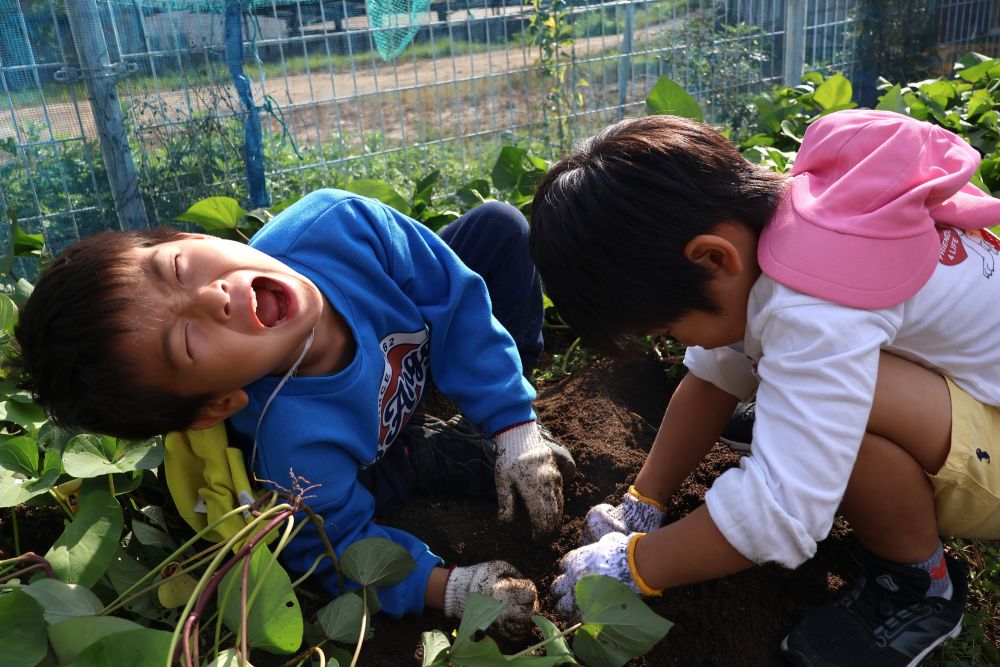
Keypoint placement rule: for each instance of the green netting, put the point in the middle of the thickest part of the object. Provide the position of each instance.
(395, 23)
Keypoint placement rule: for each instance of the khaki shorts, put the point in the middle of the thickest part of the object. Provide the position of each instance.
(967, 487)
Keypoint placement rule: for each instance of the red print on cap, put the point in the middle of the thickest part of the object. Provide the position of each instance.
(952, 249)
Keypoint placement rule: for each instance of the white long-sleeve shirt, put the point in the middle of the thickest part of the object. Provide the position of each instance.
(813, 364)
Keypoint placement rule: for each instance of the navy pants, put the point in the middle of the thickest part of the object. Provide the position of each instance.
(492, 240)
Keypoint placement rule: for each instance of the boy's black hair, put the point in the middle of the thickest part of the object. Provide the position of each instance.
(70, 336)
(609, 223)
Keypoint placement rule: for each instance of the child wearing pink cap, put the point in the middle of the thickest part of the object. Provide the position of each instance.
(853, 299)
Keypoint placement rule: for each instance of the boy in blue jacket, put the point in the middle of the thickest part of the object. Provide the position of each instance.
(316, 341)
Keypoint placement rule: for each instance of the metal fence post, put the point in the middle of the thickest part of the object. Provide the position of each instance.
(99, 75)
(624, 64)
(795, 41)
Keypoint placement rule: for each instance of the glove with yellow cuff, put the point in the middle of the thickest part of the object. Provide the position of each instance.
(613, 556)
(635, 514)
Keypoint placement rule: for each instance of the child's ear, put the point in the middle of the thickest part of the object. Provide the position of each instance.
(715, 253)
(220, 408)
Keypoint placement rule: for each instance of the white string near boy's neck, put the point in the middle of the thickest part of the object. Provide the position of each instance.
(288, 374)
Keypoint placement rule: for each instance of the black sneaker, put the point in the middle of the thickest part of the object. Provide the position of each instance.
(883, 621)
(738, 434)
(455, 456)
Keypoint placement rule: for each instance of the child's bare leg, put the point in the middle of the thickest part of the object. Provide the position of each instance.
(889, 501)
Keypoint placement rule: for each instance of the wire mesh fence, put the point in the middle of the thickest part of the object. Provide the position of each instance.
(121, 113)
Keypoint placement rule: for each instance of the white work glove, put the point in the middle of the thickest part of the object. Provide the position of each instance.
(525, 463)
(610, 556)
(501, 581)
(635, 514)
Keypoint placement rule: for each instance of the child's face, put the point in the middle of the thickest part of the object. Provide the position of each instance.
(213, 316)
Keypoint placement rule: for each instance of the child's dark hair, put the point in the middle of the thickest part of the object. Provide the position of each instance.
(70, 335)
(609, 223)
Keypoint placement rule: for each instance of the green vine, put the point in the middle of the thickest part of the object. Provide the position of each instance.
(551, 30)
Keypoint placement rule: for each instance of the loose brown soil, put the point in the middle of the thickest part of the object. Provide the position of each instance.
(607, 415)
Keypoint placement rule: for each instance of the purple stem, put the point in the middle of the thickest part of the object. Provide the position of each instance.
(192, 621)
(37, 563)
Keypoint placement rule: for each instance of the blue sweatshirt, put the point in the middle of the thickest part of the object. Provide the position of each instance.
(412, 307)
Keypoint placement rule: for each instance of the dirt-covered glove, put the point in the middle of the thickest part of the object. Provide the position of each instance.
(501, 581)
(612, 555)
(635, 514)
(526, 463)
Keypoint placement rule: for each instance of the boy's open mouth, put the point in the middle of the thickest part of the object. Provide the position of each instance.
(270, 301)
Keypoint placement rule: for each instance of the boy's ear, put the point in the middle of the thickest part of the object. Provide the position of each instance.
(220, 408)
(714, 252)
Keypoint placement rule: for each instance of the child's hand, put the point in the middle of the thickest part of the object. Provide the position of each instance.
(635, 514)
(610, 556)
(501, 581)
(526, 463)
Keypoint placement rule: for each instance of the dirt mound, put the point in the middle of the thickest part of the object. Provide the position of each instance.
(607, 415)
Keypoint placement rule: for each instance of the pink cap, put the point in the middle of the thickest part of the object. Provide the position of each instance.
(856, 224)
